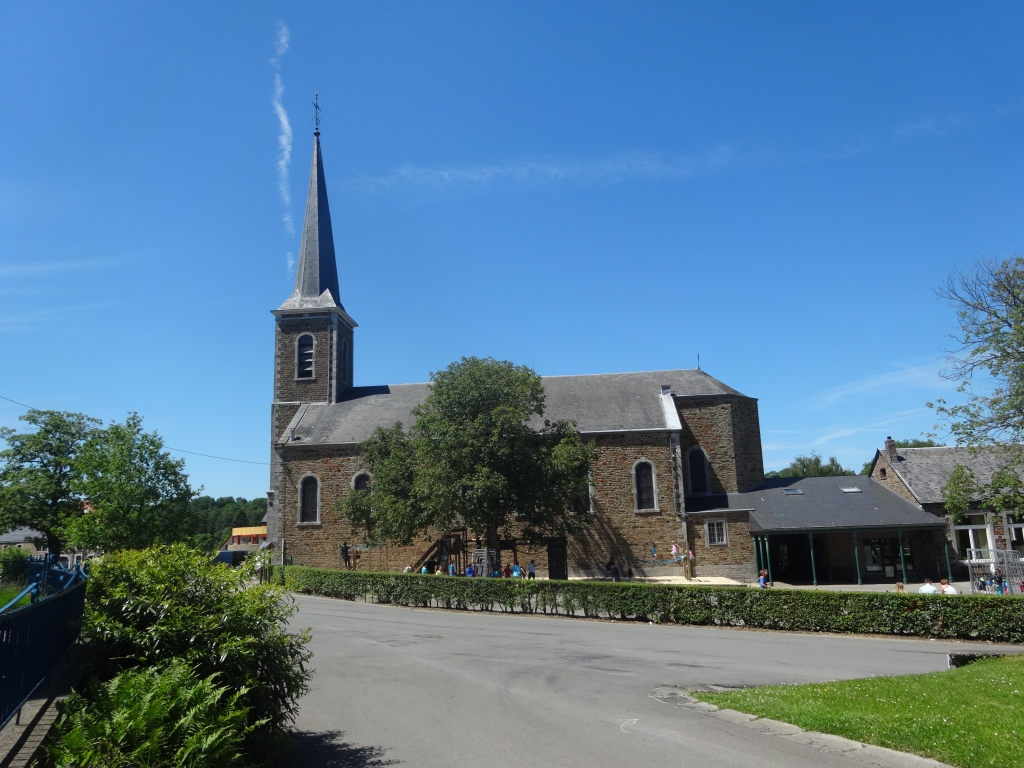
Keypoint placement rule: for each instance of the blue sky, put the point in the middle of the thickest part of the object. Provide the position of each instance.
(579, 187)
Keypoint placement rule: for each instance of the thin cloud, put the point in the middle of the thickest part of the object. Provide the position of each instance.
(47, 314)
(919, 376)
(426, 180)
(44, 268)
(894, 418)
(284, 138)
(927, 126)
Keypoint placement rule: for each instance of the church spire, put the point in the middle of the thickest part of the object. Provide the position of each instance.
(316, 279)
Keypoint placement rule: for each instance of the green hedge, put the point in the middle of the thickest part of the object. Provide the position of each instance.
(886, 613)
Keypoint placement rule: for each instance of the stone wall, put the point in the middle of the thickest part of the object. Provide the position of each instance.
(884, 474)
(746, 437)
(707, 422)
(332, 358)
(734, 560)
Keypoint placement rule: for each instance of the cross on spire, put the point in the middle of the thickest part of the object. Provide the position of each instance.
(316, 112)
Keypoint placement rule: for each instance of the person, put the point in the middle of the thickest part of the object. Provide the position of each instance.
(531, 571)
(762, 579)
(344, 555)
(899, 586)
(517, 571)
(507, 572)
(451, 569)
(470, 571)
(654, 551)
(423, 570)
(407, 569)
(946, 588)
(675, 550)
(927, 588)
(438, 571)
(616, 573)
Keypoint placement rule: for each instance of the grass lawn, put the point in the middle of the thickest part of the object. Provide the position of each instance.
(971, 716)
(9, 592)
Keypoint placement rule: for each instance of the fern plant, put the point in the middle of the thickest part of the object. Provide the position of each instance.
(163, 717)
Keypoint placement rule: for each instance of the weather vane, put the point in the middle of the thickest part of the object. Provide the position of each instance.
(316, 111)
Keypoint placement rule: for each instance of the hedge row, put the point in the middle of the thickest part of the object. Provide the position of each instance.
(993, 618)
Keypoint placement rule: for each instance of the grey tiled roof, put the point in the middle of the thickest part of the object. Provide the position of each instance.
(604, 402)
(19, 536)
(823, 506)
(926, 470)
(316, 277)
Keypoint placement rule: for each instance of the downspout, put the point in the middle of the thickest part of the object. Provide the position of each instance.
(675, 426)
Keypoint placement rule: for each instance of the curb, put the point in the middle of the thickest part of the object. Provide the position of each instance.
(826, 742)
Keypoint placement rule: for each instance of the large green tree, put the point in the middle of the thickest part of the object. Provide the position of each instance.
(812, 466)
(138, 494)
(38, 474)
(479, 453)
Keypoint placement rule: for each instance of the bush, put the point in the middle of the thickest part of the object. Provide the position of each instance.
(165, 716)
(999, 619)
(167, 603)
(13, 563)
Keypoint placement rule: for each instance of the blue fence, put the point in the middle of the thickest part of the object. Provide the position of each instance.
(34, 639)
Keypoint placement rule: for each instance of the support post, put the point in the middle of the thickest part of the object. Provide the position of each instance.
(814, 568)
(856, 557)
(935, 554)
(903, 560)
(757, 554)
(768, 558)
(949, 568)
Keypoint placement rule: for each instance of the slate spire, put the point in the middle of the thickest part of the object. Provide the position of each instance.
(316, 279)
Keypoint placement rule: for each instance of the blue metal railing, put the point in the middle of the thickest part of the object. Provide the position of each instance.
(34, 638)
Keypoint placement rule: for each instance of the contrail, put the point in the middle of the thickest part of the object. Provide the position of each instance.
(284, 139)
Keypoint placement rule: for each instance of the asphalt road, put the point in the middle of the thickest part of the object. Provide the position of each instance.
(396, 686)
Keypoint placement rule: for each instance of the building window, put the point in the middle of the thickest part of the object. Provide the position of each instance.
(884, 555)
(717, 533)
(974, 534)
(881, 472)
(361, 482)
(309, 500)
(643, 485)
(304, 356)
(698, 466)
(1015, 527)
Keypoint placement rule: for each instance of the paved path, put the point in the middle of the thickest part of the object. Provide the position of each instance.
(396, 686)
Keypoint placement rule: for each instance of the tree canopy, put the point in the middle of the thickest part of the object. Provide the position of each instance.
(912, 442)
(138, 494)
(474, 456)
(812, 466)
(39, 474)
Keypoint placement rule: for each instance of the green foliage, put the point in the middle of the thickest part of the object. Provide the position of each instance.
(154, 606)
(959, 490)
(163, 716)
(999, 619)
(139, 495)
(812, 466)
(968, 716)
(38, 473)
(13, 563)
(473, 455)
(917, 442)
(214, 518)
(989, 302)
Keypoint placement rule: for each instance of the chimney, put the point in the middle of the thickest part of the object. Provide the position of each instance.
(890, 450)
(666, 389)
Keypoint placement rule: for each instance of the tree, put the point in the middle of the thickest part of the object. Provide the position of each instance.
(812, 466)
(138, 495)
(989, 304)
(472, 456)
(38, 474)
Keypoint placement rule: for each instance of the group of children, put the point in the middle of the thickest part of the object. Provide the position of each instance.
(510, 571)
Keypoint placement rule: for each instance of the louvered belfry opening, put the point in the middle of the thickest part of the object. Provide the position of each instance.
(308, 512)
(304, 363)
(644, 486)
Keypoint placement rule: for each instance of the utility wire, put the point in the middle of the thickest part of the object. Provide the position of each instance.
(179, 450)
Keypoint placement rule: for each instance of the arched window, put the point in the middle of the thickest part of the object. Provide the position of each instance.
(361, 482)
(698, 466)
(643, 480)
(309, 500)
(304, 357)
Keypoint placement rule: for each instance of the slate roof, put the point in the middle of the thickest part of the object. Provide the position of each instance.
(604, 402)
(316, 278)
(19, 536)
(821, 507)
(926, 470)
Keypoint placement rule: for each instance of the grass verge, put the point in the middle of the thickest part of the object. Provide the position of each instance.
(971, 716)
(10, 591)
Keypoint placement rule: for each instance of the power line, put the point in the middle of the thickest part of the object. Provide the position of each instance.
(179, 450)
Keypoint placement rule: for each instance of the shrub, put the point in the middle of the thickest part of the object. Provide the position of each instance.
(164, 716)
(13, 563)
(999, 619)
(153, 606)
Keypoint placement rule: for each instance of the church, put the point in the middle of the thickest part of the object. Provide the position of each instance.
(678, 459)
